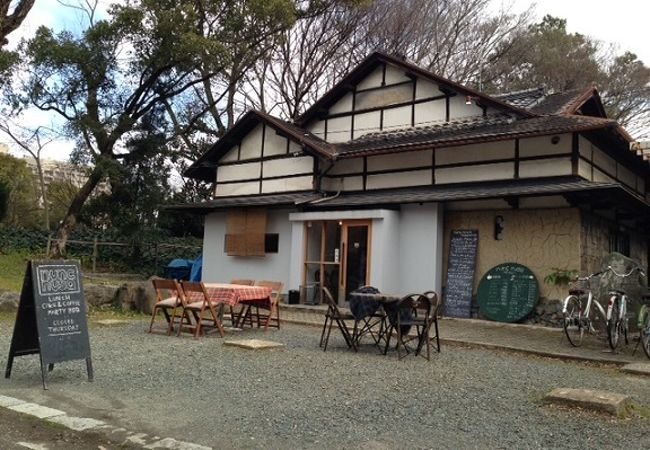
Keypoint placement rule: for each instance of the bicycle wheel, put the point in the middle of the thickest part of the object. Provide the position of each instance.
(614, 325)
(574, 322)
(645, 333)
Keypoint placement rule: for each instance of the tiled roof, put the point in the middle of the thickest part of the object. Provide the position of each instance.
(248, 200)
(558, 103)
(475, 129)
(523, 99)
(467, 191)
(450, 192)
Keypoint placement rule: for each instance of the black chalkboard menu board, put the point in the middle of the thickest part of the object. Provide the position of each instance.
(507, 292)
(51, 319)
(461, 265)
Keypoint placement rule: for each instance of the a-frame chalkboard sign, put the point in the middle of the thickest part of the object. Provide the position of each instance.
(51, 318)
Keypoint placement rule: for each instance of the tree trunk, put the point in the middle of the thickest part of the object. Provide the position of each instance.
(41, 181)
(70, 221)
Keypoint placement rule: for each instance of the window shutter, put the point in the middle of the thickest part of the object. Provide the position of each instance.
(245, 232)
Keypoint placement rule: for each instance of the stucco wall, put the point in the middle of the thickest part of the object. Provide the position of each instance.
(219, 267)
(540, 239)
(595, 243)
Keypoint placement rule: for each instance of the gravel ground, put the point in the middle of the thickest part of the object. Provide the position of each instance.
(300, 397)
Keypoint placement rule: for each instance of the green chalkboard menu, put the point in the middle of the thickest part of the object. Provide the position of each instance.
(507, 292)
(51, 319)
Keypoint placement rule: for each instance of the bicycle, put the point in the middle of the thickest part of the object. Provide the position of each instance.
(617, 321)
(644, 324)
(577, 310)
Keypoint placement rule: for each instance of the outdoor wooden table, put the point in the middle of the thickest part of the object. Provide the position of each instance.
(235, 294)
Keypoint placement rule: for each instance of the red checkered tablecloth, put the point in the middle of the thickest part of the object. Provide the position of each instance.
(233, 294)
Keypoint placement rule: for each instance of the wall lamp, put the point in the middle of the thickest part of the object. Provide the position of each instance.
(470, 98)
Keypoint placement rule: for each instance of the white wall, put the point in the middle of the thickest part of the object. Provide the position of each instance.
(219, 267)
(420, 248)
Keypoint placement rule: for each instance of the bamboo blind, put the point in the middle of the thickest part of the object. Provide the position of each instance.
(245, 232)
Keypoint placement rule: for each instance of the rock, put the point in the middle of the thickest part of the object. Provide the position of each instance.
(599, 401)
(9, 301)
(98, 295)
(135, 296)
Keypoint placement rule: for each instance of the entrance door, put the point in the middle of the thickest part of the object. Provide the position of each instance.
(355, 249)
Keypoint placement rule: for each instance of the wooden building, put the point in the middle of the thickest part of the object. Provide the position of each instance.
(366, 187)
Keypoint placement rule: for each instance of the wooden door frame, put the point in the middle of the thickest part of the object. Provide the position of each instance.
(343, 278)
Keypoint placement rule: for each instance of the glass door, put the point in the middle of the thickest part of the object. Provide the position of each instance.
(355, 251)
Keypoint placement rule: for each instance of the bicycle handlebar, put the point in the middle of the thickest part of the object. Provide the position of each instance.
(634, 269)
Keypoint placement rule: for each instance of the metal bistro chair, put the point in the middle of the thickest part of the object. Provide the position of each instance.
(334, 315)
(168, 300)
(436, 304)
(412, 311)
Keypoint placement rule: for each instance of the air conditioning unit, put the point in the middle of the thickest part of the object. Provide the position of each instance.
(309, 294)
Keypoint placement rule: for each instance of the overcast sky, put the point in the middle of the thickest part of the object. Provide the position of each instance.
(621, 22)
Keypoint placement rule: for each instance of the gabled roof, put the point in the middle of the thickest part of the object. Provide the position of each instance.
(583, 101)
(203, 168)
(373, 61)
(526, 98)
(461, 132)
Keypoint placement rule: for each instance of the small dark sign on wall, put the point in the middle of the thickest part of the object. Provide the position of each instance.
(461, 266)
(51, 319)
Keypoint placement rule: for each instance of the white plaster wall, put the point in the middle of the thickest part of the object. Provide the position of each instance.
(399, 179)
(251, 145)
(430, 112)
(366, 123)
(231, 155)
(387, 95)
(401, 160)
(420, 248)
(384, 266)
(346, 166)
(426, 89)
(626, 176)
(542, 146)
(219, 267)
(338, 129)
(545, 168)
(458, 109)
(372, 80)
(476, 152)
(395, 75)
(605, 162)
(317, 128)
(288, 166)
(249, 188)
(343, 105)
(274, 144)
(481, 172)
(584, 169)
(397, 118)
(239, 172)
(287, 184)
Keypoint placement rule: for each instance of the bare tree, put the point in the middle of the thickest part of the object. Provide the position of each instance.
(306, 61)
(32, 141)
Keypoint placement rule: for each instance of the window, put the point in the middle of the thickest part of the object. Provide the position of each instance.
(271, 242)
(619, 241)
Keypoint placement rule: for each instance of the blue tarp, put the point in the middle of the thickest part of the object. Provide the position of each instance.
(197, 267)
(179, 269)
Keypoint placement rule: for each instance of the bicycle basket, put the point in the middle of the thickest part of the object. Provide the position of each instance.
(579, 285)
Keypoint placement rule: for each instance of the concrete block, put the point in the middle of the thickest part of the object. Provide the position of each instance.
(599, 401)
(42, 412)
(76, 423)
(9, 401)
(253, 344)
(637, 369)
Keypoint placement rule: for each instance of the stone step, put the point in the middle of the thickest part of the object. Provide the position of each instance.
(599, 401)
(637, 369)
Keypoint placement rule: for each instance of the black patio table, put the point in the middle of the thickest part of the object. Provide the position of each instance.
(363, 305)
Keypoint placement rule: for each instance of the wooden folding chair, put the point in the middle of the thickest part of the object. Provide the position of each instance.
(236, 315)
(168, 299)
(199, 305)
(436, 304)
(273, 305)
